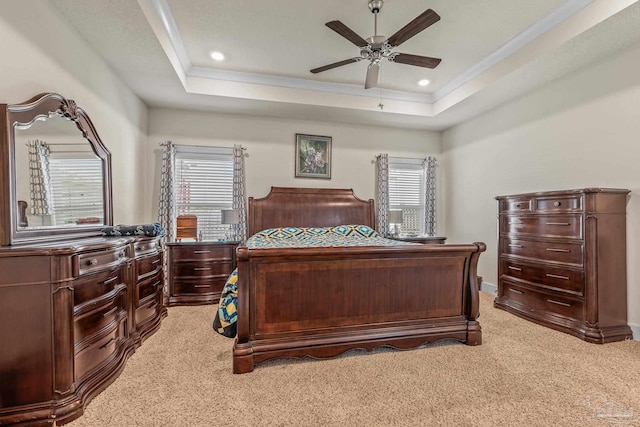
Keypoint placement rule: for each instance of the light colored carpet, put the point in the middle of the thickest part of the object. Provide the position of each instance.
(522, 375)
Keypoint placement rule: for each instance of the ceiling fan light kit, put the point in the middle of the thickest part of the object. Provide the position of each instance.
(378, 47)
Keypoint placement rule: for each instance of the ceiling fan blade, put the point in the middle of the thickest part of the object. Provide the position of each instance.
(335, 64)
(418, 61)
(347, 33)
(372, 76)
(425, 20)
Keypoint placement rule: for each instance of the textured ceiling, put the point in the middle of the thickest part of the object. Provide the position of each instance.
(491, 51)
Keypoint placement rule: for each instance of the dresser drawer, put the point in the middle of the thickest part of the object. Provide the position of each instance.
(559, 203)
(202, 252)
(568, 226)
(97, 285)
(570, 253)
(99, 260)
(147, 311)
(90, 354)
(92, 317)
(146, 246)
(148, 266)
(214, 285)
(515, 205)
(147, 290)
(201, 269)
(559, 279)
(533, 301)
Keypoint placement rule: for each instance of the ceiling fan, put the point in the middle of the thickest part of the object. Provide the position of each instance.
(377, 47)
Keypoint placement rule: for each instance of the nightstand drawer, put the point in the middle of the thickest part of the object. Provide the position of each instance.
(567, 226)
(570, 253)
(201, 269)
(198, 252)
(559, 279)
(214, 285)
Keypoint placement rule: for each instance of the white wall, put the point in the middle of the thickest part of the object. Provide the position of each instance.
(581, 131)
(270, 147)
(41, 53)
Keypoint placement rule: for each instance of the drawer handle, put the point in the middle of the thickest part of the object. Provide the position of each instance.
(201, 252)
(556, 276)
(143, 248)
(106, 282)
(515, 268)
(556, 204)
(514, 222)
(558, 223)
(566, 251)
(121, 254)
(516, 246)
(201, 286)
(110, 312)
(92, 261)
(516, 291)
(564, 304)
(201, 268)
(107, 343)
(156, 284)
(155, 261)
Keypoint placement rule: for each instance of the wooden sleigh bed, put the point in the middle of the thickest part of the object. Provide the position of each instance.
(321, 302)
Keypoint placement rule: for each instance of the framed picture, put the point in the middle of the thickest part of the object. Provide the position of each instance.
(313, 156)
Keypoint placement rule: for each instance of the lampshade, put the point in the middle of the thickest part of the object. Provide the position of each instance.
(395, 217)
(230, 216)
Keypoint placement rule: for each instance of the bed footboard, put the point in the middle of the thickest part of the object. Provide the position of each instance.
(321, 302)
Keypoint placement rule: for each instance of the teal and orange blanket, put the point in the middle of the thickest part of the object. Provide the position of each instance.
(293, 237)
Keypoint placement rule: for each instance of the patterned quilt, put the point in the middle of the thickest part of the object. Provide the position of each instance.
(293, 237)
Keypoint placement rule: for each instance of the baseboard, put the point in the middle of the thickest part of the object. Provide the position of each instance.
(635, 330)
(492, 289)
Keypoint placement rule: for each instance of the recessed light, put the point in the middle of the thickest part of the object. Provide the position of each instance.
(423, 82)
(218, 56)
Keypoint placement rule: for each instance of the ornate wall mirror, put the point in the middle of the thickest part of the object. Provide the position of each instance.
(56, 172)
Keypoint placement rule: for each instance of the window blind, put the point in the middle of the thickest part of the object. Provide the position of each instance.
(76, 187)
(203, 186)
(407, 193)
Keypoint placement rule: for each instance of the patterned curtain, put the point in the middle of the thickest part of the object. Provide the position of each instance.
(165, 208)
(382, 193)
(429, 166)
(239, 193)
(39, 178)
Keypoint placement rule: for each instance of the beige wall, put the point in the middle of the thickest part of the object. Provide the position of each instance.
(270, 147)
(580, 131)
(41, 53)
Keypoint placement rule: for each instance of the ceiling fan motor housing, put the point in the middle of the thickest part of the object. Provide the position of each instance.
(375, 5)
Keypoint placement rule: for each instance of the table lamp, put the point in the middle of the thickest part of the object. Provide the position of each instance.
(231, 217)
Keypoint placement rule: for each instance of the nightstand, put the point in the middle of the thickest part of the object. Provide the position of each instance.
(198, 270)
(421, 239)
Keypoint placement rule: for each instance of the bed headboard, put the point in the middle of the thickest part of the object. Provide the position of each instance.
(308, 207)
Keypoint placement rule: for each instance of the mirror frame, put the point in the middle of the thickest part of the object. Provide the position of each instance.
(41, 107)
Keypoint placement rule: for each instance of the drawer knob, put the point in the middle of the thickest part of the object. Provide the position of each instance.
(556, 204)
(121, 254)
(517, 205)
(93, 261)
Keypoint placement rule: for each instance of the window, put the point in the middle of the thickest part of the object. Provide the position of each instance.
(203, 186)
(407, 193)
(76, 187)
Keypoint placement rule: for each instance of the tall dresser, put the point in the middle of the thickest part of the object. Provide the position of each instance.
(562, 261)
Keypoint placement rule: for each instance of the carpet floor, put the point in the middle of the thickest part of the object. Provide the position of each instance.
(522, 375)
